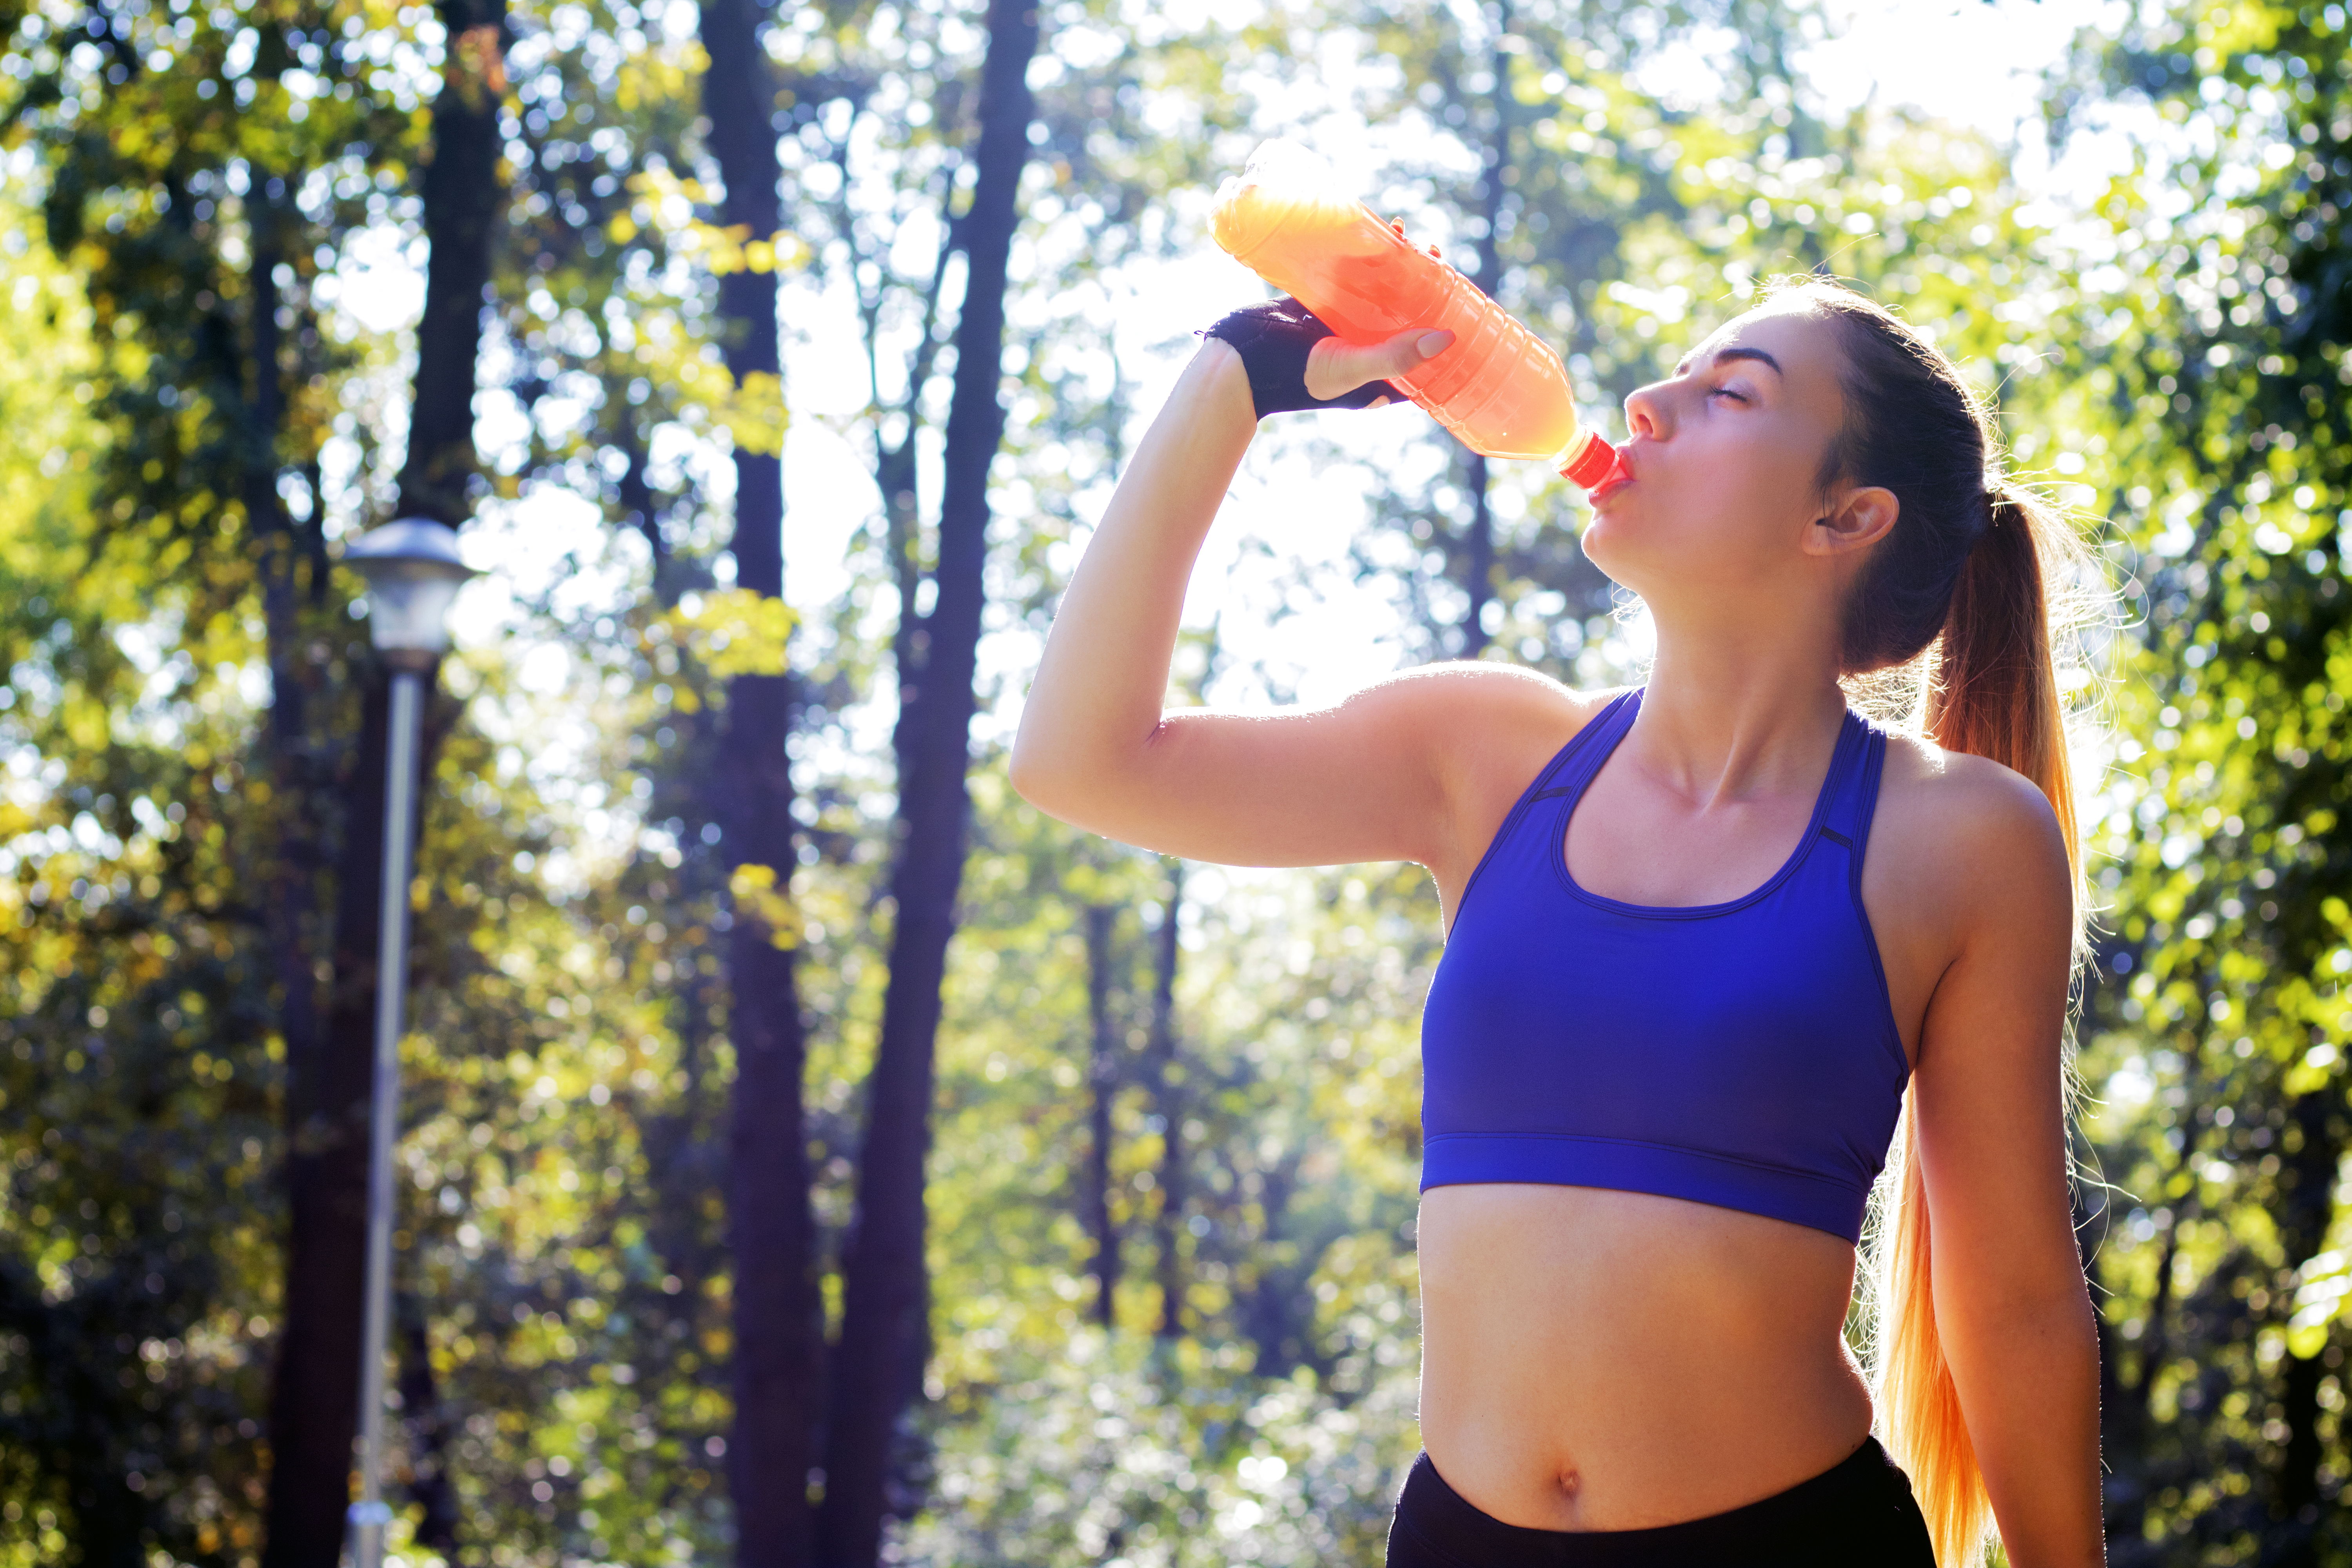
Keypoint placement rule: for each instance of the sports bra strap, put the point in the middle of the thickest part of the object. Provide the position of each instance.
(1568, 769)
(1854, 788)
(1582, 757)
(1850, 789)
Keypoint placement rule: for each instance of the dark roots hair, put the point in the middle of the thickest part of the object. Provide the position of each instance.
(1962, 576)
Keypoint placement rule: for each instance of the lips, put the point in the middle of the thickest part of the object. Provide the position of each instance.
(1618, 476)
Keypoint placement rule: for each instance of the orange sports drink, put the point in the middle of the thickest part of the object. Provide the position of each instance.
(1498, 388)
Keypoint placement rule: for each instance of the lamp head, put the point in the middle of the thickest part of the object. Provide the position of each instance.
(414, 572)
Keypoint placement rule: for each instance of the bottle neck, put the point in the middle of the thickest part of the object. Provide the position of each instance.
(1591, 462)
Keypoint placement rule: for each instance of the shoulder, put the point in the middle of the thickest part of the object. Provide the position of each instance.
(1467, 688)
(1476, 717)
(1974, 798)
(1493, 686)
(1983, 835)
(1483, 731)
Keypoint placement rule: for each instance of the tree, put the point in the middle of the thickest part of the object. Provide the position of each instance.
(113, 1227)
(877, 1365)
(598, 903)
(1559, 185)
(2213, 393)
(1478, 568)
(778, 1338)
(314, 1408)
(1102, 1088)
(1167, 1091)
(200, 542)
(195, 202)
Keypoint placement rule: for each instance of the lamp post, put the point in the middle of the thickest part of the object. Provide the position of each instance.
(413, 571)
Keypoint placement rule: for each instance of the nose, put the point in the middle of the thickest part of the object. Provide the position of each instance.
(1647, 413)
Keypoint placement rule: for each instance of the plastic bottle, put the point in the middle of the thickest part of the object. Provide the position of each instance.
(1498, 388)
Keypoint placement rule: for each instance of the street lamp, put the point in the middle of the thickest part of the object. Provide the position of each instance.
(414, 572)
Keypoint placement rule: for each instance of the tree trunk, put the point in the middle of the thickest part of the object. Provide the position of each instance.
(2088, 1239)
(2127, 1441)
(430, 1485)
(1271, 1316)
(2296, 1491)
(82, 1445)
(1174, 1190)
(771, 1229)
(2304, 1215)
(1479, 570)
(1102, 1084)
(310, 1122)
(883, 1282)
(462, 202)
(286, 736)
(895, 477)
(314, 1402)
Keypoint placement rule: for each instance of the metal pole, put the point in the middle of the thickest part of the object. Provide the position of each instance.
(370, 1516)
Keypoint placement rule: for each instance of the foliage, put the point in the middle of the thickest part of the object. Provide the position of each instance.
(137, 1059)
(2211, 369)
(2174, 355)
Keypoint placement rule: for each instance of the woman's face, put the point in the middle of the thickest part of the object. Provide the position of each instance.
(1726, 457)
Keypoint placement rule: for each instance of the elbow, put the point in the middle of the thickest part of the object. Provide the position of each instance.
(1038, 776)
(1079, 784)
(1031, 779)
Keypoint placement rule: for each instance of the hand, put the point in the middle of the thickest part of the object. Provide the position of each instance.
(1335, 367)
(1279, 339)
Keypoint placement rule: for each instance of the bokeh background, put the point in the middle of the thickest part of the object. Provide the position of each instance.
(811, 1154)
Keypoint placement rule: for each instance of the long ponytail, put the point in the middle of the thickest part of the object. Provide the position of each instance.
(1994, 691)
(1960, 591)
(1991, 689)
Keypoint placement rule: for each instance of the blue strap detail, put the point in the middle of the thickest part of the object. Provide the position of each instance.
(1853, 793)
(1541, 788)
(1608, 727)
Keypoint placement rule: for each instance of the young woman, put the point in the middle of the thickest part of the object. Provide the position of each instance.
(1702, 935)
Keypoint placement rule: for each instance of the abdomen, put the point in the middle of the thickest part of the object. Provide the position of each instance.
(1605, 1360)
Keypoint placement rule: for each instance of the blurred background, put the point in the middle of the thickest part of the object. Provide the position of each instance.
(809, 1154)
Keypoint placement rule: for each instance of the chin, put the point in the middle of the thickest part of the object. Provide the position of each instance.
(1677, 552)
(1606, 544)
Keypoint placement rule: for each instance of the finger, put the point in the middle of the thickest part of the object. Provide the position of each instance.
(1335, 366)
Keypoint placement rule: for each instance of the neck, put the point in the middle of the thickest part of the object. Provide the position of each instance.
(1730, 713)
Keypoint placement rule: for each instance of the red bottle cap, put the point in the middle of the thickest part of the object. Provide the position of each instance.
(1595, 464)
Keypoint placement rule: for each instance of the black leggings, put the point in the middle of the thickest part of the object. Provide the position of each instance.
(1859, 1512)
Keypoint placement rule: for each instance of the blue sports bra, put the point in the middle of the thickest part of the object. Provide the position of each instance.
(1741, 1054)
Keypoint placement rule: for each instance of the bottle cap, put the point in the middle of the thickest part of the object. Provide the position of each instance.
(1594, 463)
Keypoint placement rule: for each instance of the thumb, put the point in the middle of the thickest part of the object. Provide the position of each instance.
(1335, 367)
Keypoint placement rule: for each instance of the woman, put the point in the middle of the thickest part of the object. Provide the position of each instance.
(1701, 937)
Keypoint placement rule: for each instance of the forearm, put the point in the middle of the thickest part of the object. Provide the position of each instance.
(1097, 699)
(2028, 1377)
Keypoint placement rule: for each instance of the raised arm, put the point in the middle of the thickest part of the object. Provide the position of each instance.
(1365, 779)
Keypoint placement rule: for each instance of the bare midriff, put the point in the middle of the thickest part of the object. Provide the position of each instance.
(1603, 1360)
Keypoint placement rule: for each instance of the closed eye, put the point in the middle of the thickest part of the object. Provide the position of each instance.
(1726, 392)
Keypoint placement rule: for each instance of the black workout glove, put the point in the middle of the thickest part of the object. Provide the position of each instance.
(1273, 340)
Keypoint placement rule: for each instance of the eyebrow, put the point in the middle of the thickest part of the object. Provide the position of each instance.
(1738, 354)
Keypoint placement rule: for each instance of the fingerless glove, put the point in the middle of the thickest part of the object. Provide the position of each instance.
(1273, 340)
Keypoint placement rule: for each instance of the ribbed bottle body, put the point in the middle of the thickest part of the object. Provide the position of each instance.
(1500, 389)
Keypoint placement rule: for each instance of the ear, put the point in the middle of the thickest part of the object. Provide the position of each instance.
(1856, 519)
